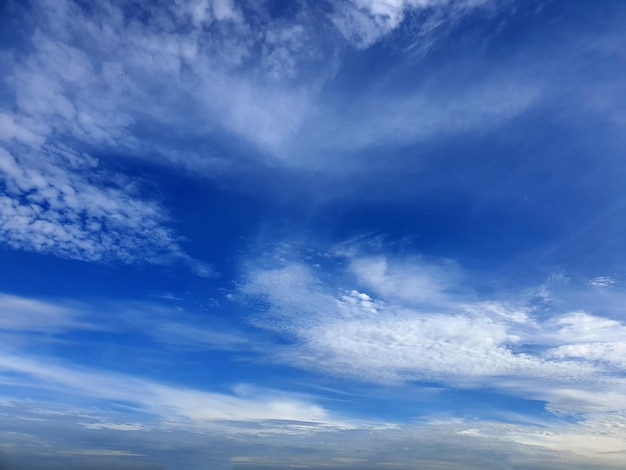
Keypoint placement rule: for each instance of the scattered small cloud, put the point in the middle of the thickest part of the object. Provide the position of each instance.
(57, 201)
(602, 281)
(170, 404)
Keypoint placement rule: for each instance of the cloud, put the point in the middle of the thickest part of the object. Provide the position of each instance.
(414, 281)
(591, 338)
(27, 321)
(341, 325)
(117, 426)
(57, 201)
(224, 73)
(579, 327)
(60, 201)
(383, 121)
(104, 452)
(442, 442)
(103, 93)
(364, 22)
(203, 13)
(31, 315)
(193, 335)
(609, 352)
(88, 81)
(602, 281)
(93, 74)
(169, 403)
(385, 319)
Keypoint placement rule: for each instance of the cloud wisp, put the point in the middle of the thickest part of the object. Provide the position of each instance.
(92, 75)
(365, 22)
(169, 403)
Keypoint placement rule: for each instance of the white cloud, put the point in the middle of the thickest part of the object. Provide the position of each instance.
(608, 351)
(416, 116)
(388, 339)
(103, 452)
(174, 329)
(414, 281)
(169, 403)
(117, 426)
(361, 322)
(93, 76)
(447, 442)
(25, 314)
(602, 281)
(204, 12)
(590, 338)
(204, 337)
(218, 68)
(388, 320)
(57, 201)
(102, 93)
(580, 327)
(434, 443)
(602, 396)
(24, 130)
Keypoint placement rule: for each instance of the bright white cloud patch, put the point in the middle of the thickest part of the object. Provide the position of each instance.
(391, 320)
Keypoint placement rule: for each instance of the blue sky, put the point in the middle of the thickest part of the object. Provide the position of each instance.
(347, 234)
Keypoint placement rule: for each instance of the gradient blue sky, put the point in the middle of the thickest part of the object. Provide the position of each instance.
(351, 234)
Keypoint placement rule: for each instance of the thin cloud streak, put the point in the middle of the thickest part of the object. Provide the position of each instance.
(169, 403)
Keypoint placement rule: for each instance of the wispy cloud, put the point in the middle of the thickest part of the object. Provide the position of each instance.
(384, 337)
(210, 83)
(364, 22)
(103, 94)
(169, 328)
(91, 75)
(391, 320)
(31, 315)
(170, 403)
(591, 338)
(423, 114)
(194, 335)
(602, 281)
